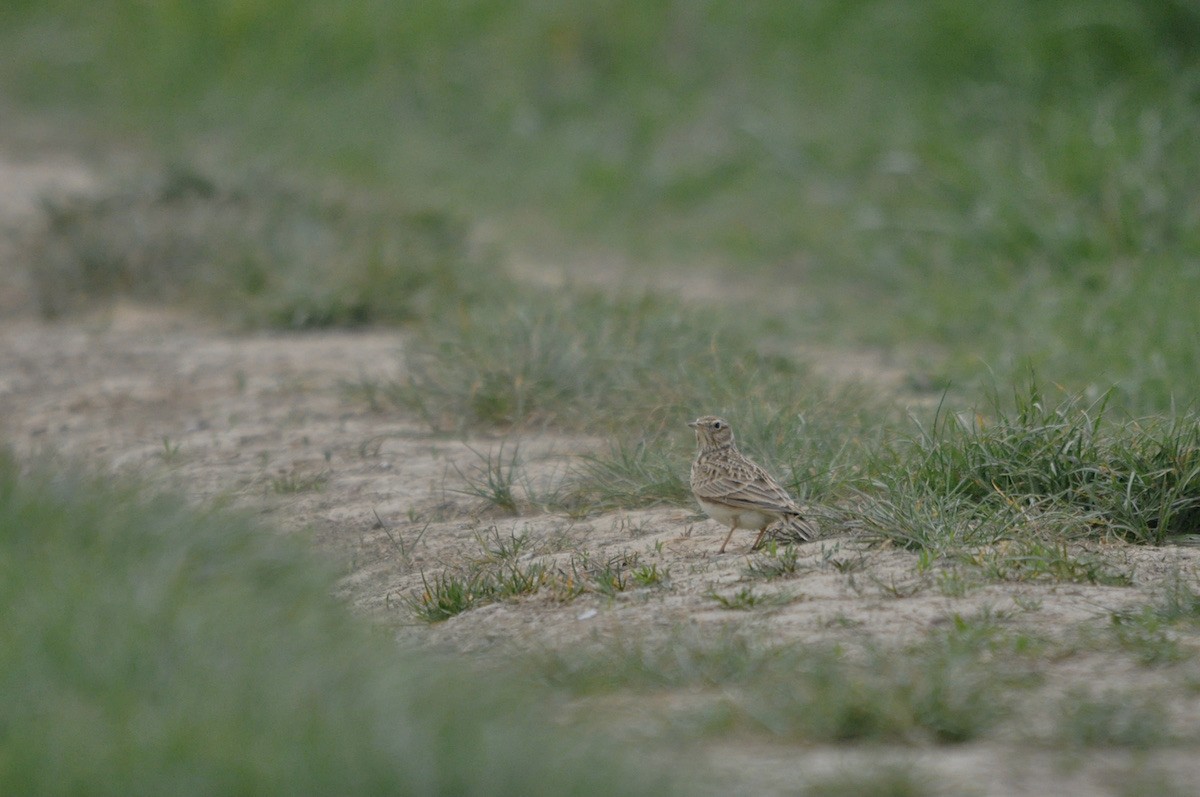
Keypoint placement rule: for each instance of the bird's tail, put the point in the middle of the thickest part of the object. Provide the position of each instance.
(794, 528)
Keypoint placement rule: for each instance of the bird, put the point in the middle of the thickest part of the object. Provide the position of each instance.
(733, 489)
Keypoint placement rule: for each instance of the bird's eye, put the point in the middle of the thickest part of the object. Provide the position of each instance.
(716, 424)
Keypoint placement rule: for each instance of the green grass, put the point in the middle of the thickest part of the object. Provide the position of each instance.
(746, 599)
(1155, 634)
(500, 571)
(949, 688)
(986, 187)
(686, 659)
(1147, 638)
(292, 483)
(255, 253)
(608, 576)
(774, 562)
(582, 357)
(150, 648)
(600, 110)
(631, 474)
(1113, 719)
(1040, 468)
(1057, 464)
(635, 368)
(979, 679)
(973, 189)
(1039, 560)
(949, 693)
(1180, 601)
(503, 570)
(494, 479)
(651, 575)
(1008, 488)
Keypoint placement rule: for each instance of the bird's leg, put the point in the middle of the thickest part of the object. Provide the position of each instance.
(758, 539)
(732, 526)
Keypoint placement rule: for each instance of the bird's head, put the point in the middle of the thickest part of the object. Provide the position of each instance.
(712, 431)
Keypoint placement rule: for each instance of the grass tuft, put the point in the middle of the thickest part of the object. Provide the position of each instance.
(293, 482)
(630, 475)
(606, 576)
(1180, 602)
(745, 599)
(260, 255)
(580, 360)
(1152, 633)
(494, 479)
(774, 563)
(1113, 719)
(503, 570)
(1033, 559)
(1044, 465)
(951, 688)
(150, 648)
(499, 572)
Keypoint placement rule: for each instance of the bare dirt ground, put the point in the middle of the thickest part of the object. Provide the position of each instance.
(264, 422)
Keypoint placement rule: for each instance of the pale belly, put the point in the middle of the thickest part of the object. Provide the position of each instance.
(737, 518)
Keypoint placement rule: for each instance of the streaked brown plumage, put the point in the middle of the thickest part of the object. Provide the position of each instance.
(736, 491)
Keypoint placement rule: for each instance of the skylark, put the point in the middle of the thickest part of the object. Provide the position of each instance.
(732, 489)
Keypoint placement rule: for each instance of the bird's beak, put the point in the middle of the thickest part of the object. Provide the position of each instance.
(693, 424)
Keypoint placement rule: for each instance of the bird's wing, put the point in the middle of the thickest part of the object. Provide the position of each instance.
(744, 485)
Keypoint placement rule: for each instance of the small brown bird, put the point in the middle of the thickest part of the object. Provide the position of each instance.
(732, 489)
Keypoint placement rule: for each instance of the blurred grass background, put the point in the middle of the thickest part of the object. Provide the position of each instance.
(982, 188)
(148, 647)
(1005, 185)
